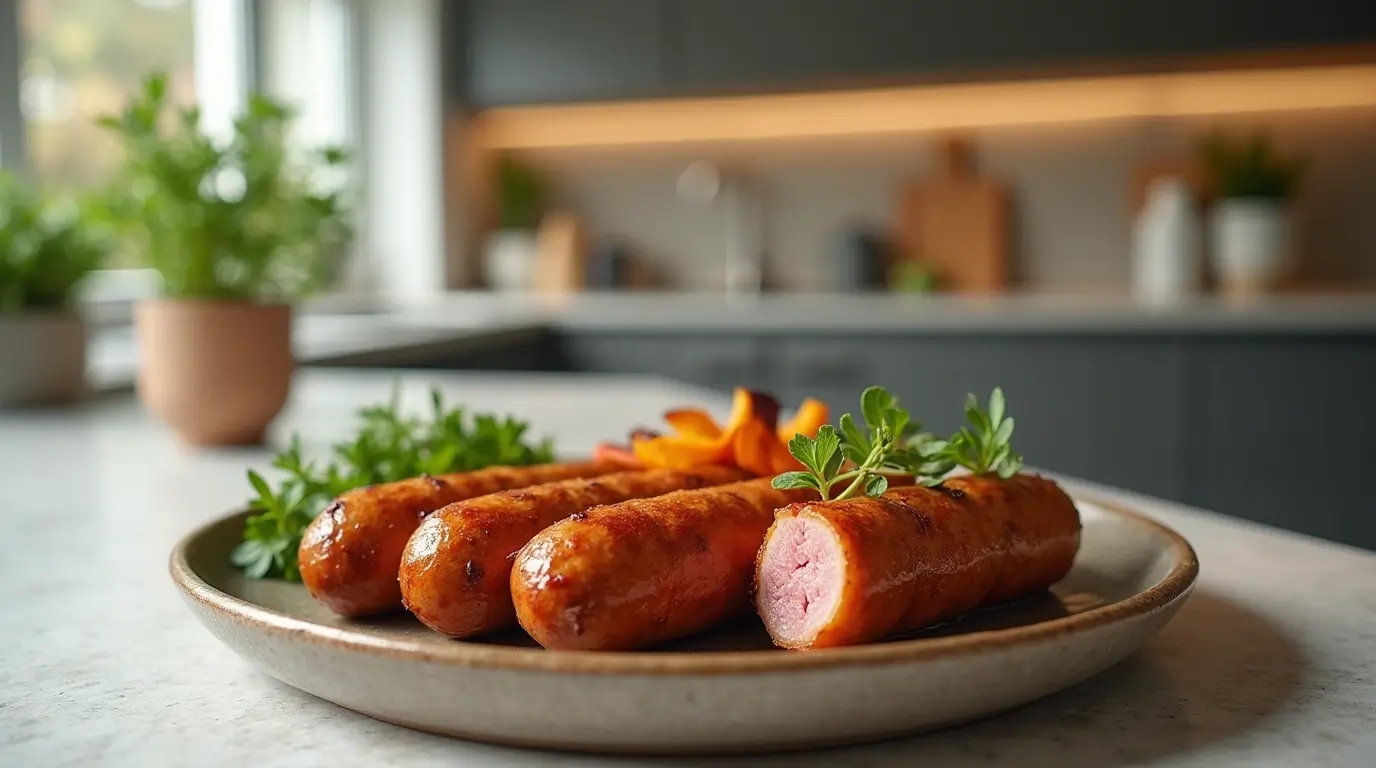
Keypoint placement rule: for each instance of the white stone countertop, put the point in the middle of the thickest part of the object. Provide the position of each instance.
(881, 313)
(1271, 662)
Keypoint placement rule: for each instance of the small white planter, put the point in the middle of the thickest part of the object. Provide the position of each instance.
(509, 258)
(1251, 244)
(42, 358)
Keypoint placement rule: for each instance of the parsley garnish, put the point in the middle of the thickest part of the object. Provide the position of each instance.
(388, 447)
(871, 452)
(983, 447)
(889, 446)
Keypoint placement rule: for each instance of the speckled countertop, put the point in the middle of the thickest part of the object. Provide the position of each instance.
(1088, 312)
(1272, 661)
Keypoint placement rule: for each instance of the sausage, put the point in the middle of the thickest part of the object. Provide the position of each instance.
(854, 571)
(350, 552)
(456, 570)
(642, 572)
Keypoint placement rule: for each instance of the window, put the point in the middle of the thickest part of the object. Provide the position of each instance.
(355, 70)
(80, 59)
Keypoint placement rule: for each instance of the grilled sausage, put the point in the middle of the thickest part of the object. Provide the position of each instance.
(350, 552)
(849, 572)
(456, 570)
(643, 572)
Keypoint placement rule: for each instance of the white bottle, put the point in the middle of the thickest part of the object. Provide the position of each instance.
(1166, 244)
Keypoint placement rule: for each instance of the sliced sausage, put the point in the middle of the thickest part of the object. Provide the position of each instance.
(854, 571)
(350, 552)
(456, 570)
(642, 572)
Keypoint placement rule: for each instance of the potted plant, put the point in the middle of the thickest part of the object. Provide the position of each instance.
(236, 229)
(510, 253)
(47, 246)
(1250, 222)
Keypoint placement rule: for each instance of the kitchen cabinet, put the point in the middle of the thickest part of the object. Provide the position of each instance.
(1285, 429)
(531, 51)
(717, 362)
(761, 45)
(523, 51)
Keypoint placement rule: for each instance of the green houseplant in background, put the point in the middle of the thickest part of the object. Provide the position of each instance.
(510, 253)
(48, 245)
(1249, 225)
(236, 228)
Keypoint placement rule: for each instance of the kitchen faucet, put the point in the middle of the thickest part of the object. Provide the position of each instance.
(703, 184)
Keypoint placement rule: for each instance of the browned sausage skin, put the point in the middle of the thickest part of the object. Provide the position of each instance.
(854, 571)
(456, 570)
(350, 552)
(642, 572)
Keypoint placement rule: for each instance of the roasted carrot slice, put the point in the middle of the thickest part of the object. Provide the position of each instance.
(757, 449)
(681, 452)
(750, 440)
(811, 415)
(693, 422)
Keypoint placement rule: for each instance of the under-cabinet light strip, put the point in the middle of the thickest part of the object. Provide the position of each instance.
(926, 108)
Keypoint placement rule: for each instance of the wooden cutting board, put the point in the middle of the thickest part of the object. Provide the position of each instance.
(957, 224)
(561, 264)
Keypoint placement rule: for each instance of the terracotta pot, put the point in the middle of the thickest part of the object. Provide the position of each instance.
(42, 358)
(217, 372)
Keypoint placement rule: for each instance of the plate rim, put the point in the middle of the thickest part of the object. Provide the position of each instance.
(1174, 586)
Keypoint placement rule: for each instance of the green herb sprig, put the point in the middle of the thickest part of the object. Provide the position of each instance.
(983, 447)
(387, 447)
(880, 449)
(892, 445)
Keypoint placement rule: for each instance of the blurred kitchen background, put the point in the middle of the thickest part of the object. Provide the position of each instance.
(1152, 222)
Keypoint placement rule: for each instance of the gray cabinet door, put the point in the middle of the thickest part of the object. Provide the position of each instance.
(562, 50)
(1287, 435)
(759, 44)
(717, 363)
(1108, 410)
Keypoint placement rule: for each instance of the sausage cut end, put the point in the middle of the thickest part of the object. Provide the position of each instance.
(799, 579)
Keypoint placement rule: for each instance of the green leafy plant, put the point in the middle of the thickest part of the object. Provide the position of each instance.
(387, 447)
(242, 219)
(1249, 167)
(912, 277)
(983, 447)
(48, 245)
(521, 195)
(878, 449)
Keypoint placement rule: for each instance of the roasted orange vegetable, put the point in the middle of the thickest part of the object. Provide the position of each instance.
(682, 452)
(693, 422)
(811, 415)
(757, 449)
(751, 439)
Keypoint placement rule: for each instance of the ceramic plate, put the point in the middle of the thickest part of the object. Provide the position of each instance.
(726, 691)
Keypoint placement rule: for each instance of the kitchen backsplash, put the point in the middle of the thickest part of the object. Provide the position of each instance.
(1070, 184)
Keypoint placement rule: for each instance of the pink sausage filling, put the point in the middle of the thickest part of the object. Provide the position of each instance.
(799, 580)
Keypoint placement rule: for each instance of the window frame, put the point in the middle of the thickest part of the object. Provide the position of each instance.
(14, 154)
